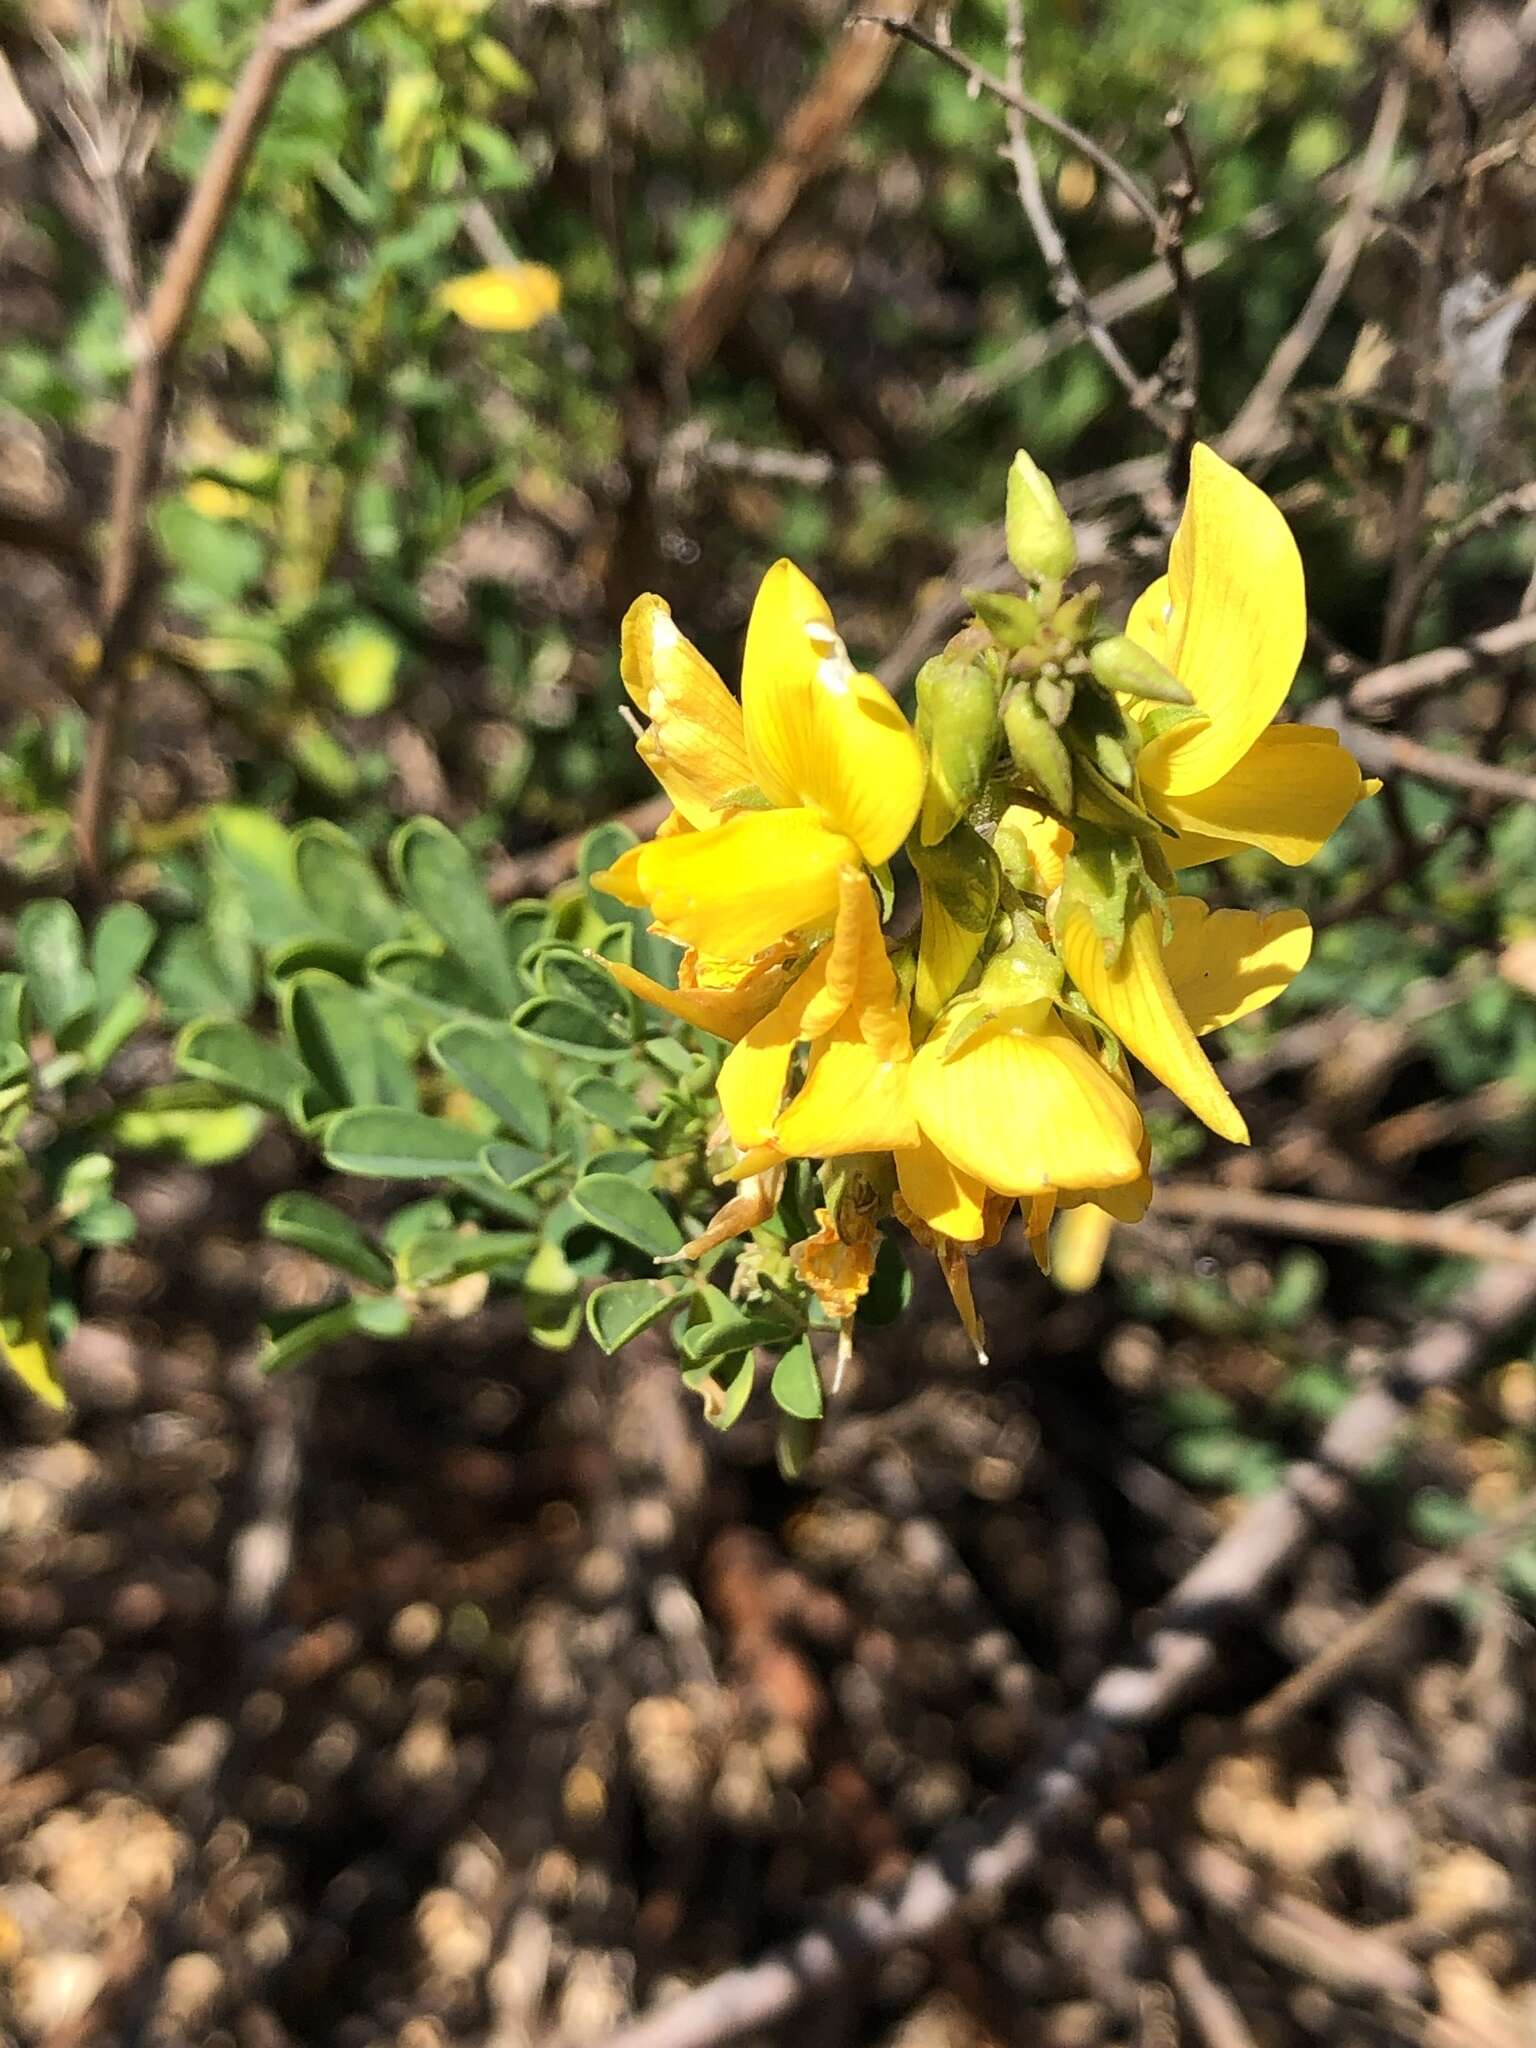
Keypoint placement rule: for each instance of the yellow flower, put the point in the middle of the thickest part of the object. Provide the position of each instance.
(1009, 1103)
(1168, 988)
(1229, 620)
(1160, 995)
(835, 777)
(694, 744)
(509, 298)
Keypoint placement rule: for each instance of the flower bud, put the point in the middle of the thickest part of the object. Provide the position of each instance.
(1038, 750)
(1012, 620)
(1119, 664)
(1041, 544)
(957, 711)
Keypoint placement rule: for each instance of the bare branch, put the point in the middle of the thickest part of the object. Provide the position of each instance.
(1256, 418)
(1000, 1847)
(1065, 282)
(1453, 1236)
(1381, 690)
(288, 31)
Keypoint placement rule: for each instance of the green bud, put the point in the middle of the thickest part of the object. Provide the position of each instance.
(1012, 620)
(1054, 694)
(957, 716)
(1038, 750)
(1041, 544)
(1119, 664)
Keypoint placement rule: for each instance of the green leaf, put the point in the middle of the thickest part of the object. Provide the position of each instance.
(112, 1030)
(13, 989)
(179, 1120)
(439, 1255)
(552, 1298)
(724, 1387)
(51, 948)
(606, 1102)
(562, 1026)
(399, 1144)
(256, 855)
(105, 1222)
(624, 1308)
(488, 1061)
(525, 925)
(342, 887)
(796, 1444)
(565, 972)
(515, 1166)
(410, 1222)
(379, 1315)
(316, 950)
(427, 987)
(735, 1331)
(215, 560)
(348, 1040)
(357, 664)
(200, 970)
(442, 885)
(120, 945)
(321, 1229)
(237, 1059)
(796, 1383)
(25, 1346)
(627, 1211)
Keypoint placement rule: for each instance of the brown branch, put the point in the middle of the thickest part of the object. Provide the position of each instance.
(1437, 1579)
(1260, 411)
(1518, 503)
(1388, 754)
(543, 868)
(288, 31)
(982, 80)
(958, 390)
(1381, 690)
(806, 145)
(1343, 1222)
(1453, 146)
(1001, 1846)
(1065, 282)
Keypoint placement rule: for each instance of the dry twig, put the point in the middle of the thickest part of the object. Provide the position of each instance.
(996, 1850)
(1452, 1236)
(289, 30)
(1260, 411)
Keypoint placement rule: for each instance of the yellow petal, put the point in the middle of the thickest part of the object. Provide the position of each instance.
(854, 1100)
(506, 299)
(959, 882)
(1037, 1228)
(728, 1011)
(1222, 964)
(1287, 795)
(1148, 622)
(736, 889)
(695, 745)
(1026, 1110)
(1237, 629)
(818, 732)
(940, 1195)
(1134, 998)
(1044, 843)
(860, 981)
(755, 1072)
(623, 878)
(1081, 1241)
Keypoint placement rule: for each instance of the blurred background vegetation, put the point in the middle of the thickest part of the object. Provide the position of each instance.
(465, 1686)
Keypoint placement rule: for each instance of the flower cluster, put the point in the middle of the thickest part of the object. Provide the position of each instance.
(946, 1065)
